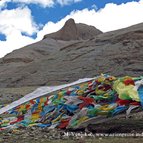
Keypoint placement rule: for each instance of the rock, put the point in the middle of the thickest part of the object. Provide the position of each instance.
(73, 31)
(33, 128)
(45, 136)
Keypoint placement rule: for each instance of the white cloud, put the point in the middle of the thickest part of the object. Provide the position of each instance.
(2, 4)
(43, 3)
(12, 23)
(14, 41)
(17, 19)
(94, 7)
(111, 17)
(67, 2)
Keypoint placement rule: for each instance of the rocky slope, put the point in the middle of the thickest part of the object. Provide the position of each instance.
(74, 52)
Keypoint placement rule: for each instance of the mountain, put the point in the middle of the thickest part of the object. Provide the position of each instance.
(73, 31)
(76, 51)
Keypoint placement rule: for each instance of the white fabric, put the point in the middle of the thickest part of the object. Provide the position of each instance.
(41, 92)
(138, 84)
(72, 100)
(131, 108)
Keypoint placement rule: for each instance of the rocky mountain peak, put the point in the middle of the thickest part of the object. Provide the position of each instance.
(74, 31)
(70, 22)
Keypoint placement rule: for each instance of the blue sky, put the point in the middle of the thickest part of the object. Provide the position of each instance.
(50, 15)
(43, 15)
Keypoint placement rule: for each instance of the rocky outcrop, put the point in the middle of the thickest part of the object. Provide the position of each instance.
(73, 31)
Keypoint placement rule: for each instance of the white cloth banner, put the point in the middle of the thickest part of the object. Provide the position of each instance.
(41, 91)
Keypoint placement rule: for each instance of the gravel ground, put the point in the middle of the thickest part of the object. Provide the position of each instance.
(36, 135)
